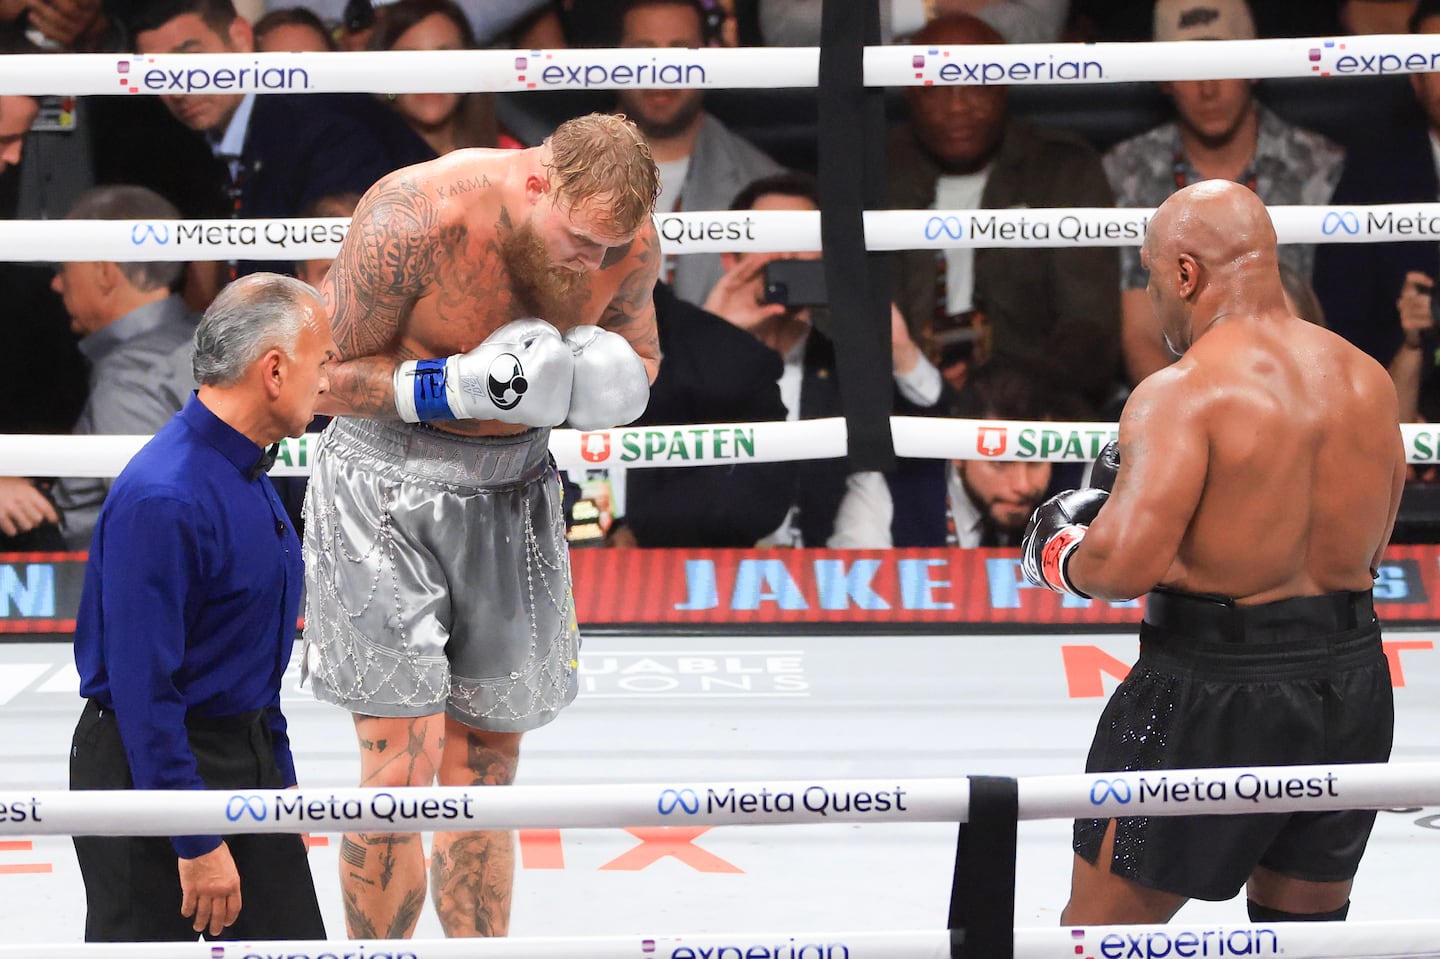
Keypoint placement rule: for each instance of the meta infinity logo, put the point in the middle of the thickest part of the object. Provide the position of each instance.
(240, 806)
(684, 799)
(1336, 222)
(1102, 789)
(141, 233)
(948, 225)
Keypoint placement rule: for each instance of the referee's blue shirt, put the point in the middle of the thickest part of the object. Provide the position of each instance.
(190, 600)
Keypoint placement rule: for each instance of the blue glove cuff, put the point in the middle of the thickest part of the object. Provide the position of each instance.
(430, 400)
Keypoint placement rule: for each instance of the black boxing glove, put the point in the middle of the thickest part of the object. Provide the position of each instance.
(1106, 467)
(1056, 527)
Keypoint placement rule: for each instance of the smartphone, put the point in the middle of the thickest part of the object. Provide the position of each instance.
(1434, 300)
(795, 282)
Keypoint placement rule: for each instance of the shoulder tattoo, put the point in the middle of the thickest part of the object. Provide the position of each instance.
(387, 260)
(640, 259)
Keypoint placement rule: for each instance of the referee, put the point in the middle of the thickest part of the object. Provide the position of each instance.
(186, 625)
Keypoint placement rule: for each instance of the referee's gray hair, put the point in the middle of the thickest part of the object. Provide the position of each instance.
(256, 313)
(125, 202)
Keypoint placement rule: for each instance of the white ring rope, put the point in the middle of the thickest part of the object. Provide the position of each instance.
(501, 71)
(1405, 939)
(1175, 792)
(712, 444)
(720, 231)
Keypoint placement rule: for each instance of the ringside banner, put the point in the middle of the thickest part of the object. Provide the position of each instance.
(720, 231)
(709, 444)
(727, 590)
(503, 71)
(1171, 792)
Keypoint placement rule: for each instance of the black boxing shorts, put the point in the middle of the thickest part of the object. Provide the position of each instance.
(1296, 682)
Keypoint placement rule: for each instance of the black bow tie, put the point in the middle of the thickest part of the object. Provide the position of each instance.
(263, 464)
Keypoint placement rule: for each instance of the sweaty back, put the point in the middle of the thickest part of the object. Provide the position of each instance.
(1303, 450)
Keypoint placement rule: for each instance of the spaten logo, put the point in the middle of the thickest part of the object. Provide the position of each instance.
(991, 440)
(595, 447)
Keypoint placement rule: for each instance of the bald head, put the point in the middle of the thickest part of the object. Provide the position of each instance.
(1222, 224)
(956, 28)
(1210, 249)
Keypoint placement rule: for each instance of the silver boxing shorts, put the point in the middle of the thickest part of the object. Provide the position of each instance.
(437, 576)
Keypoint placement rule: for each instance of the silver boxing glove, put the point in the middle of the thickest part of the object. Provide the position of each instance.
(611, 386)
(521, 373)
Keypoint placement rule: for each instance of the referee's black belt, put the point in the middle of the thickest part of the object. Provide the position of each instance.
(196, 721)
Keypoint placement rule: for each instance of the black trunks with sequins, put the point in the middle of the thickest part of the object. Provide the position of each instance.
(1295, 682)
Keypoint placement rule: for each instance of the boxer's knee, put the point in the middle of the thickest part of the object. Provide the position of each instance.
(398, 751)
(1259, 913)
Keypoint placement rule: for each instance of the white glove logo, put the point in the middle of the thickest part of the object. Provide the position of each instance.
(505, 381)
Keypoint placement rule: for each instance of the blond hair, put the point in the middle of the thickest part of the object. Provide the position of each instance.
(603, 157)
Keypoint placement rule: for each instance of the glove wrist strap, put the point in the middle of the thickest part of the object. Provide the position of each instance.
(420, 391)
(1055, 559)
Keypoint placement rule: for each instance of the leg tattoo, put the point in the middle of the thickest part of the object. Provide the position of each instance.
(382, 876)
(472, 874)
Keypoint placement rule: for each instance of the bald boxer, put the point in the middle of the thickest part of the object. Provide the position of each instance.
(478, 300)
(1256, 487)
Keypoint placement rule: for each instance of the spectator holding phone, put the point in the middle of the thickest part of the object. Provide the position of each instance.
(779, 298)
(1363, 285)
(1414, 362)
(75, 26)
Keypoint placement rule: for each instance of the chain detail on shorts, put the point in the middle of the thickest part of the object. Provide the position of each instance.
(426, 593)
(371, 670)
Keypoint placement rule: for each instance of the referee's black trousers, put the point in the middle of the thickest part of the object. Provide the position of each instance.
(132, 883)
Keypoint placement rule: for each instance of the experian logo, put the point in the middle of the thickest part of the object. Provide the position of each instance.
(760, 950)
(136, 78)
(349, 950)
(935, 66)
(1372, 64)
(1188, 944)
(532, 70)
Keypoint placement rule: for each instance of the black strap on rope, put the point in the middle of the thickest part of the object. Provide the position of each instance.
(982, 894)
(851, 146)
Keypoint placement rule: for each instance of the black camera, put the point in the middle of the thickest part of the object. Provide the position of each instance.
(1434, 300)
(795, 283)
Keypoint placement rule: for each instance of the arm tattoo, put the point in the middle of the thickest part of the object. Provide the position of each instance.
(635, 296)
(386, 262)
(631, 312)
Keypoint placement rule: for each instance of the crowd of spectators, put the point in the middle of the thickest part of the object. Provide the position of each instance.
(1000, 333)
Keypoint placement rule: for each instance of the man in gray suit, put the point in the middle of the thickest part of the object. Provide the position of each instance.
(138, 336)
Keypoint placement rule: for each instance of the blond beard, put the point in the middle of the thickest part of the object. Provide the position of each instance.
(544, 290)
